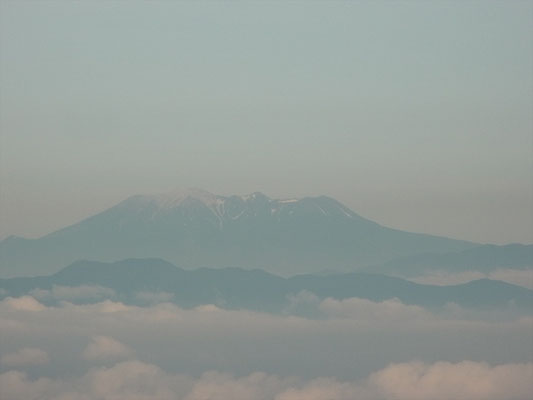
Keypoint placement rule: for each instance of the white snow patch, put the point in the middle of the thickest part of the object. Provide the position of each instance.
(170, 200)
(175, 198)
(237, 216)
(345, 212)
(321, 209)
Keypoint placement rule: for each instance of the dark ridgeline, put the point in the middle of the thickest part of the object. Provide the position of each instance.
(257, 290)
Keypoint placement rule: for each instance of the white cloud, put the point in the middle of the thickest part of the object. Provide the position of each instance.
(105, 348)
(408, 381)
(108, 306)
(73, 293)
(15, 385)
(154, 297)
(366, 310)
(208, 308)
(442, 278)
(27, 356)
(24, 303)
(325, 388)
(514, 276)
(134, 380)
(303, 303)
(444, 381)
(219, 386)
(69, 293)
(131, 380)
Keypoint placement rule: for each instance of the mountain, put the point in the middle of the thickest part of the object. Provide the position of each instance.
(139, 281)
(484, 259)
(198, 229)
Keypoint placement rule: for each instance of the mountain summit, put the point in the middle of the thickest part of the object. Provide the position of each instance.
(195, 228)
(225, 209)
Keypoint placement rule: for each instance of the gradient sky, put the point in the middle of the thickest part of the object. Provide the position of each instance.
(414, 114)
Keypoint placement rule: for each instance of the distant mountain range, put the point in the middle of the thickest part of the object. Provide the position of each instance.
(138, 281)
(485, 258)
(198, 229)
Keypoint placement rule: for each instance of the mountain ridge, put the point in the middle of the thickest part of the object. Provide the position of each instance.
(237, 288)
(196, 229)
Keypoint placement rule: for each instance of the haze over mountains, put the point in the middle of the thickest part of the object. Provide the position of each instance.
(417, 114)
(485, 258)
(234, 251)
(195, 228)
(148, 281)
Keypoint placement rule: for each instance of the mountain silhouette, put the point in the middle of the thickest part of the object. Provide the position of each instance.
(195, 229)
(129, 281)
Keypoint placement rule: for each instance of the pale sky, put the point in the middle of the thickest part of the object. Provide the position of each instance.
(417, 115)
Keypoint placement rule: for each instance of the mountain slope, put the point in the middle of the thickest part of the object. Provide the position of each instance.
(131, 280)
(196, 229)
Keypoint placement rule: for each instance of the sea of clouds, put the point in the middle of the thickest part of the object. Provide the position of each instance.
(356, 349)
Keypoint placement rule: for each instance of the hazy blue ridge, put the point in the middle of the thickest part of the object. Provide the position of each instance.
(485, 258)
(235, 288)
(200, 229)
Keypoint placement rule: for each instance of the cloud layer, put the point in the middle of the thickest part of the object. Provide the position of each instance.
(69, 293)
(444, 381)
(406, 381)
(515, 276)
(27, 356)
(356, 349)
(105, 348)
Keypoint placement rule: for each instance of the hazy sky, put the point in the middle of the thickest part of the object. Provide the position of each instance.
(417, 115)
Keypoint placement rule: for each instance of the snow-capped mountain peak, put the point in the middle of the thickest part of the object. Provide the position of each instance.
(196, 228)
(176, 197)
(231, 208)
